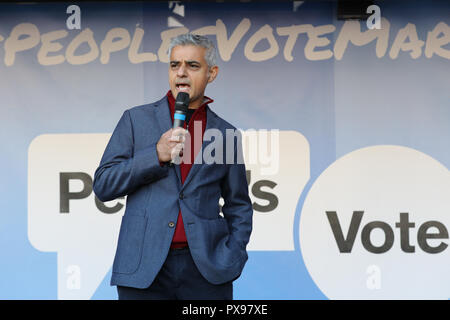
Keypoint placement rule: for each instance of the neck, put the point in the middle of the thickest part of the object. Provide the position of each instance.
(197, 103)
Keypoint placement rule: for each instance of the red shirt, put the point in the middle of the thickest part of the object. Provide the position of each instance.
(179, 237)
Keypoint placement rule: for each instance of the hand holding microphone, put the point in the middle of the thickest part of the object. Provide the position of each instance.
(171, 143)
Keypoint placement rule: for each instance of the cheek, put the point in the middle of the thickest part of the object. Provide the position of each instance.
(201, 82)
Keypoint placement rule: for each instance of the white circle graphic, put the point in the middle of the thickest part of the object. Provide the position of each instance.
(375, 225)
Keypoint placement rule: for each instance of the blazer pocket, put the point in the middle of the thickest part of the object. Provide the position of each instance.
(228, 252)
(130, 244)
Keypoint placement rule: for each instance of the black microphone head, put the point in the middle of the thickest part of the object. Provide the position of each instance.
(182, 102)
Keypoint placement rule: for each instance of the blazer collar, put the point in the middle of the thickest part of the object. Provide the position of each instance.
(162, 113)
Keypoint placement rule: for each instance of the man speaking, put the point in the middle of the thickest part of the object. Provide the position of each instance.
(173, 241)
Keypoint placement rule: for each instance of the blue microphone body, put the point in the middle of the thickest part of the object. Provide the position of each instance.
(178, 119)
(181, 108)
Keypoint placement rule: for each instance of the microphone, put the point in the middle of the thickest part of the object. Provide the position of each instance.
(181, 108)
(179, 116)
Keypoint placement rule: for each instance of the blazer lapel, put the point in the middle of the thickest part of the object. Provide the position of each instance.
(162, 114)
(211, 122)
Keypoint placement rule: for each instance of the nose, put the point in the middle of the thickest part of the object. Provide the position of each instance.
(181, 72)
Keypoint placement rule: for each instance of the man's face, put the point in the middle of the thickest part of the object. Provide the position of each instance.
(189, 72)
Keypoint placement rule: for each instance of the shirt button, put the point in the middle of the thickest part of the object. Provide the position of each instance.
(171, 224)
(181, 196)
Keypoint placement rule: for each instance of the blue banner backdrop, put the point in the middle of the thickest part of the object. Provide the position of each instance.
(290, 66)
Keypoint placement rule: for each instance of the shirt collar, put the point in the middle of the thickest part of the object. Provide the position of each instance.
(206, 101)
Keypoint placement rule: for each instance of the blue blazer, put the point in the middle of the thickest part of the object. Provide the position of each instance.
(130, 166)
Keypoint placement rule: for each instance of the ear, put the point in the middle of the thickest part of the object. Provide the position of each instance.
(213, 71)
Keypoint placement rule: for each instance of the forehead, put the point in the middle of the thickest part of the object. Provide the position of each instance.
(188, 52)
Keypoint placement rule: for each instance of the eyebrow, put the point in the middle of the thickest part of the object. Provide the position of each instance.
(188, 61)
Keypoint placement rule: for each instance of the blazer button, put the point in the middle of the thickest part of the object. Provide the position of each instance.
(171, 224)
(181, 196)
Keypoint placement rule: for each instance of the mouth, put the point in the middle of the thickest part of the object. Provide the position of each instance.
(183, 87)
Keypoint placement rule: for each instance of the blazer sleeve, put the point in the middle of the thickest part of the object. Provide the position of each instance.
(237, 208)
(121, 170)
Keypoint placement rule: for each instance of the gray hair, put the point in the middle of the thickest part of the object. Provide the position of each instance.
(196, 40)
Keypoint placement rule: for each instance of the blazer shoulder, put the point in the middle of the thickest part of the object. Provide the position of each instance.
(223, 123)
(146, 107)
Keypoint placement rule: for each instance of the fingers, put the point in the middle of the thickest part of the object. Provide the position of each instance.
(176, 153)
(178, 135)
(178, 148)
(171, 144)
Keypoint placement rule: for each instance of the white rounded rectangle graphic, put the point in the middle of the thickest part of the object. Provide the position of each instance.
(65, 217)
